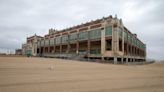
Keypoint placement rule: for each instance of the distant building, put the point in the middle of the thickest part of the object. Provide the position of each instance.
(106, 39)
(2, 53)
(18, 51)
(24, 49)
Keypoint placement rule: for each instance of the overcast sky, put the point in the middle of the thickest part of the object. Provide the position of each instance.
(22, 18)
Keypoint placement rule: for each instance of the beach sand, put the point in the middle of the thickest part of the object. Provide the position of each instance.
(22, 74)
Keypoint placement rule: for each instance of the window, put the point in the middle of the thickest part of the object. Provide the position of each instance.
(83, 35)
(73, 36)
(125, 35)
(46, 42)
(58, 40)
(42, 43)
(108, 45)
(64, 38)
(120, 32)
(108, 30)
(52, 41)
(38, 43)
(96, 33)
(120, 45)
(95, 51)
(129, 38)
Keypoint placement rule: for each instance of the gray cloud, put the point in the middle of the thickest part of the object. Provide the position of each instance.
(22, 18)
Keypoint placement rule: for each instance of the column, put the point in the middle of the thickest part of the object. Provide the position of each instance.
(77, 43)
(54, 48)
(123, 41)
(60, 48)
(115, 60)
(103, 44)
(115, 41)
(127, 60)
(68, 47)
(122, 60)
(77, 47)
(89, 47)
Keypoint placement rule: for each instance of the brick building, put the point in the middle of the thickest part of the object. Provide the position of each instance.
(106, 39)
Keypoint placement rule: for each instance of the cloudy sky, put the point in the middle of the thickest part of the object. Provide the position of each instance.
(22, 18)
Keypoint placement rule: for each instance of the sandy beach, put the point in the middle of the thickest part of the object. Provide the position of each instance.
(22, 74)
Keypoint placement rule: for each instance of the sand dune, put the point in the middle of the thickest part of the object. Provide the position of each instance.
(21, 74)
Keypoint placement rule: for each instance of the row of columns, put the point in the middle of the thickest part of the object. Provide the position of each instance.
(133, 50)
(47, 49)
(127, 59)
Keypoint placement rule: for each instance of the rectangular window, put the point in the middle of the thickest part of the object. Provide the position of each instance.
(58, 40)
(73, 36)
(64, 38)
(42, 43)
(38, 43)
(96, 33)
(46, 42)
(129, 38)
(144, 46)
(83, 35)
(52, 41)
(125, 35)
(137, 43)
(120, 32)
(134, 40)
(108, 45)
(108, 30)
(95, 51)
